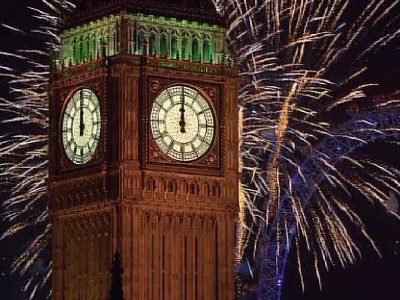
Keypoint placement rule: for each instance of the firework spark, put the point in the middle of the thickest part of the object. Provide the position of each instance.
(305, 63)
(293, 55)
(24, 151)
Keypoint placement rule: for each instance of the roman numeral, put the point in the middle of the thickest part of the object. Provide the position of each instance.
(170, 96)
(171, 146)
(155, 122)
(203, 140)
(202, 112)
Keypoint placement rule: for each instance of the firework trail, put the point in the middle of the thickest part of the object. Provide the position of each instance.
(23, 152)
(292, 53)
(305, 64)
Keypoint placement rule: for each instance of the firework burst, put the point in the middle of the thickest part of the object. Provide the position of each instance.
(24, 151)
(305, 65)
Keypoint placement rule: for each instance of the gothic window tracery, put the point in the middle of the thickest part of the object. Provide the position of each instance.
(80, 49)
(87, 49)
(114, 43)
(206, 51)
(214, 190)
(73, 54)
(185, 47)
(150, 184)
(194, 188)
(153, 42)
(195, 49)
(164, 47)
(106, 42)
(140, 40)
(131, 38)
(160, 185)
(99, 43)
(177, 39)
(172, 187)
(174, 47)
(94, 46)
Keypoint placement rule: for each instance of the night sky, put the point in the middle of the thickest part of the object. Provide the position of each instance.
(370, 278)
(14, 13)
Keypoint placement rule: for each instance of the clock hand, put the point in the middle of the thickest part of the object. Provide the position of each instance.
(182, 110)
(81, 124)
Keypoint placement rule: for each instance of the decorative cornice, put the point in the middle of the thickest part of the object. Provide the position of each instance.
(167, 9)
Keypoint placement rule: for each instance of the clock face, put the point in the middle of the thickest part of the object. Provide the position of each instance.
(182, 123)
(81, 126)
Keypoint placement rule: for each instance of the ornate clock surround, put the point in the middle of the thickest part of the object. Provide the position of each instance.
(62, 94)
(81, 126)
(154, 158)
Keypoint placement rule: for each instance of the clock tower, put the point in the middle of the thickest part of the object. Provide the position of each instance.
(144, 152)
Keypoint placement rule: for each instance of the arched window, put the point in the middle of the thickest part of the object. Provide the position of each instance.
(194, 189)
(94, 47)
(140, 43)
(213, 190)
(160, 185)
(171, 186)
(106, 43)
(114, 43)
(73, 52)
(206, 51)
(174, 47)
(99, 43)
(195, 50)
(80, 49)
(185, 47)
(153, 43)
(163, 45)
(150, 184)
(87, 48)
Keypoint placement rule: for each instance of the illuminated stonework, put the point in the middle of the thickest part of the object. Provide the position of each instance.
(165, 37)
(84, 43)
(169, 209)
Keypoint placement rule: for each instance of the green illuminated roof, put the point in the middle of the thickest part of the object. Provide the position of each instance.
(159, 36)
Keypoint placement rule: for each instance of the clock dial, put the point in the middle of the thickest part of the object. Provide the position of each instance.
(81, 126)
(182, 123)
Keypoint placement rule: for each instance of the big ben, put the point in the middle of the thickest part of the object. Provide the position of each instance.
(144, 152)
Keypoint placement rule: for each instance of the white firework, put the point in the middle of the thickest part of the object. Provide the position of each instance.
(24, 150)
